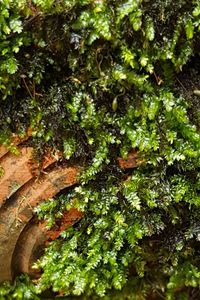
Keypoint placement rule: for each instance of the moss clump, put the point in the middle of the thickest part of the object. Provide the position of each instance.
(97, 79)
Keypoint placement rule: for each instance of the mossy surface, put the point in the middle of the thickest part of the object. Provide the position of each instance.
(97, 79)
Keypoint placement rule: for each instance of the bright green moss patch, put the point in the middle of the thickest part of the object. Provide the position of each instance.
(96, 79)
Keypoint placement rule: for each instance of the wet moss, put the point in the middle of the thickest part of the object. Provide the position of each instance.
(97, 79)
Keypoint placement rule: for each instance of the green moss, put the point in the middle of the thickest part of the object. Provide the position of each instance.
(23, 289)
(96, 79)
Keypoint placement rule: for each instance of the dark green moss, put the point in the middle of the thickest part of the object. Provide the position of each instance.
(97, 79)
